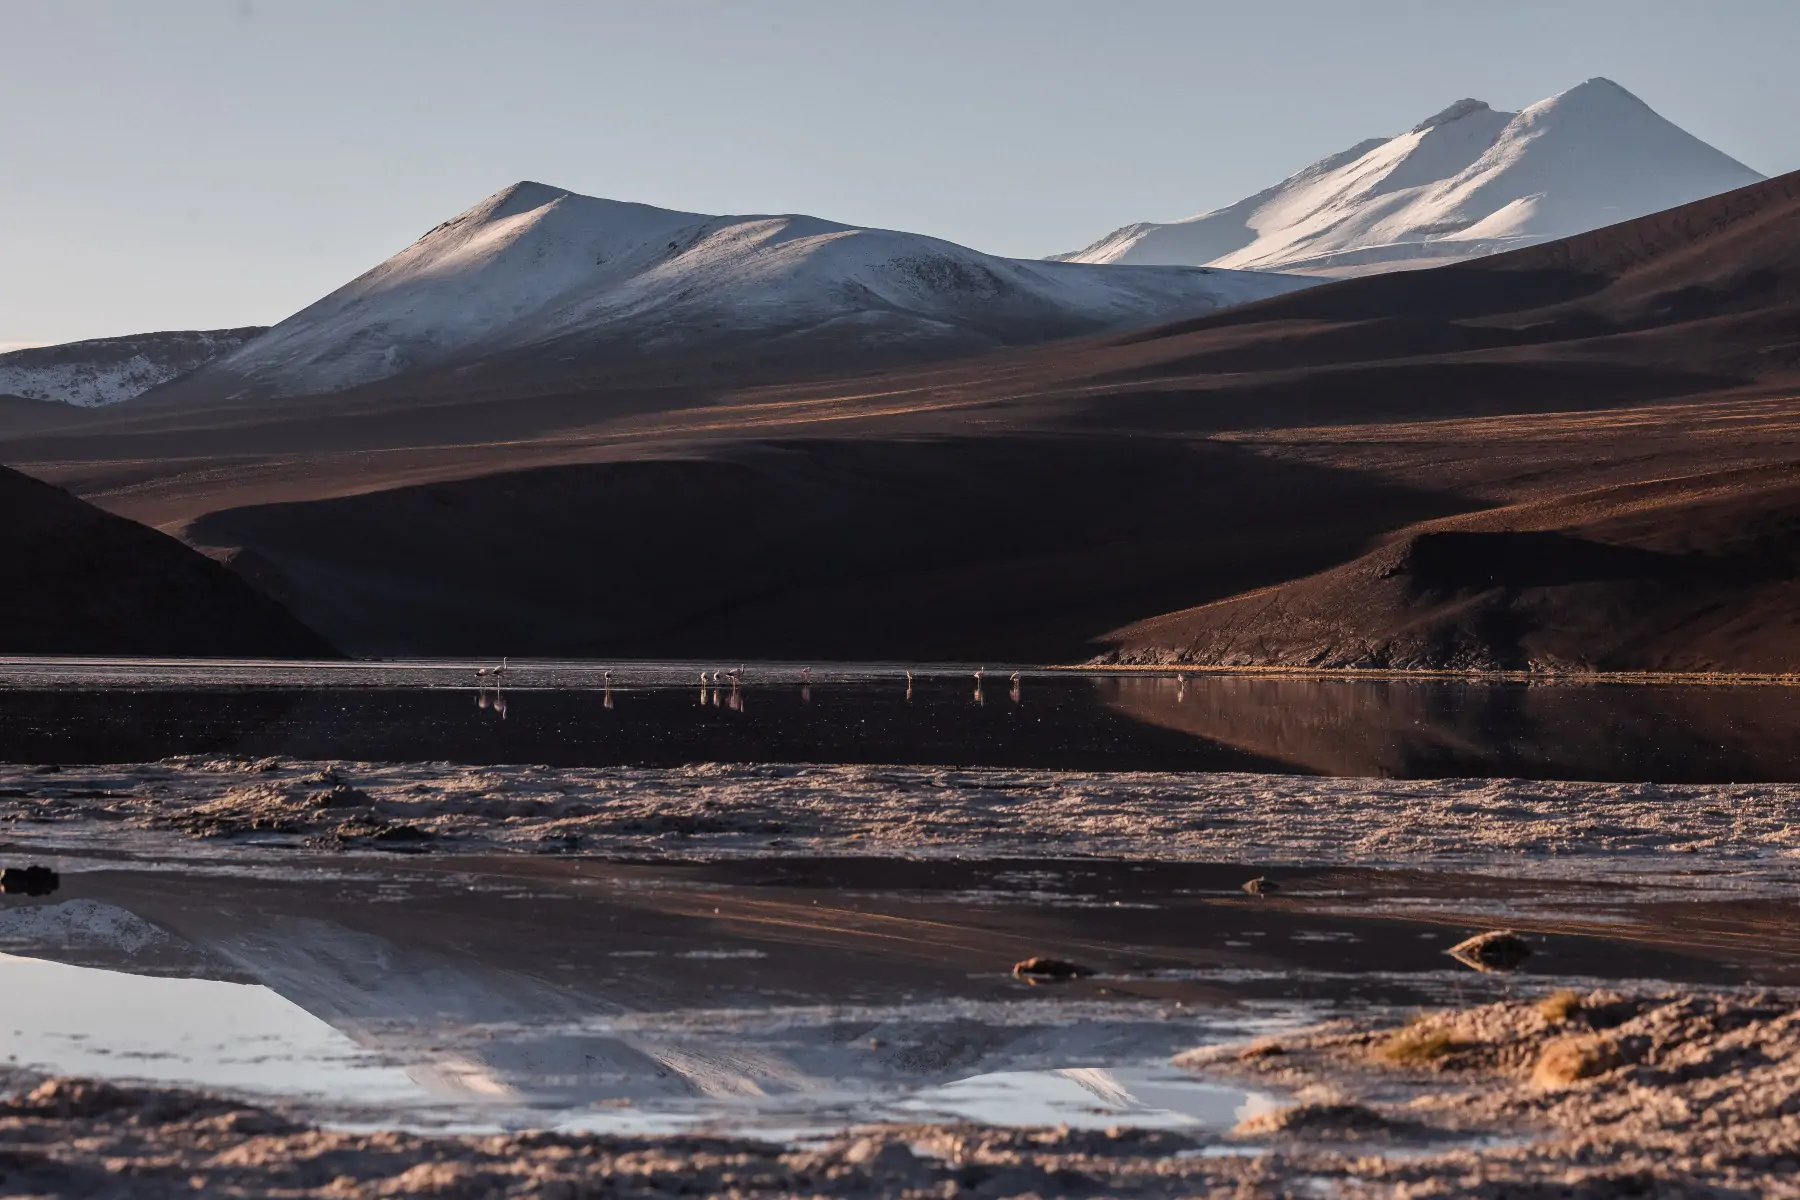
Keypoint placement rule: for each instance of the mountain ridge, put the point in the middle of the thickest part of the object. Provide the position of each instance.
(538, 281)
(1465, 182)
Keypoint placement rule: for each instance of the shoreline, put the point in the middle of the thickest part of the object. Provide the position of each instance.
(101, 670)
(1408, 675)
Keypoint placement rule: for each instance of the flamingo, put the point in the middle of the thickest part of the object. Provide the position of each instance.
(736, 675)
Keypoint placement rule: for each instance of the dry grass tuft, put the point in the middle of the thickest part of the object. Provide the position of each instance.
(1568, 1060)
(1415, 1045)
(1560, 1007)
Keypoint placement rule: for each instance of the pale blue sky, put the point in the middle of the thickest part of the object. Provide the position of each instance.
(197, 163)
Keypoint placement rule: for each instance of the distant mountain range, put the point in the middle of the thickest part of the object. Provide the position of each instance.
(540, 289)
(1467, 182)
(1575, 455)
(536, 282)
(108, 370)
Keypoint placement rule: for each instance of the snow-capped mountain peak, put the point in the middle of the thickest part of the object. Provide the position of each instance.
(1462, 108)
(1466, 181)
(556, 282)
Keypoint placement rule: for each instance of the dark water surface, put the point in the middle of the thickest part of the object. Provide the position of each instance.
(566, 714)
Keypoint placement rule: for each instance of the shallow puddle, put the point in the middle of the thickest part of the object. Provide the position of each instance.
(1153, 1097)
(200, 1032)
(507, 991)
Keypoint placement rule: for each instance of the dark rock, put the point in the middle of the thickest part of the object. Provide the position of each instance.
(1495, 950)
(29, 881)
(1262, 886)
(1039, 969)
(343, 795)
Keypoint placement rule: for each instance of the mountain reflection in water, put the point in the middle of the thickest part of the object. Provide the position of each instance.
(1413, 729)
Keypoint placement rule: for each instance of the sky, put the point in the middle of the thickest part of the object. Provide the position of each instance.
(206, 163)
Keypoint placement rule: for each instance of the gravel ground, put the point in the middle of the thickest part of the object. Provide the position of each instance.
(1740, 837)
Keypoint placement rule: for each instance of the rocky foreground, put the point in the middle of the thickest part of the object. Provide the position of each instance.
(1567, 1095)
(1747, 836)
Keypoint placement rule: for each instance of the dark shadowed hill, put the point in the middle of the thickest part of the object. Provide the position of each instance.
(959, 548)
(1661, 538)
(81, 581)
(1577, 454)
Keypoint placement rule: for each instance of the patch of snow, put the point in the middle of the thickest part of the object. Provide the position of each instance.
(1465, 182)
(108, 370)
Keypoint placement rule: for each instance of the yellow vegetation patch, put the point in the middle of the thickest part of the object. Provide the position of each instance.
(1568, 1060)
(1415, 1044)
(1559, 1007)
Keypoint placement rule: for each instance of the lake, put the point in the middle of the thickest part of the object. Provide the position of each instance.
(659, 714)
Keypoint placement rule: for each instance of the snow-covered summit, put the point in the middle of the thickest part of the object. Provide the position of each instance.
(1465, 182)
(537, 279)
